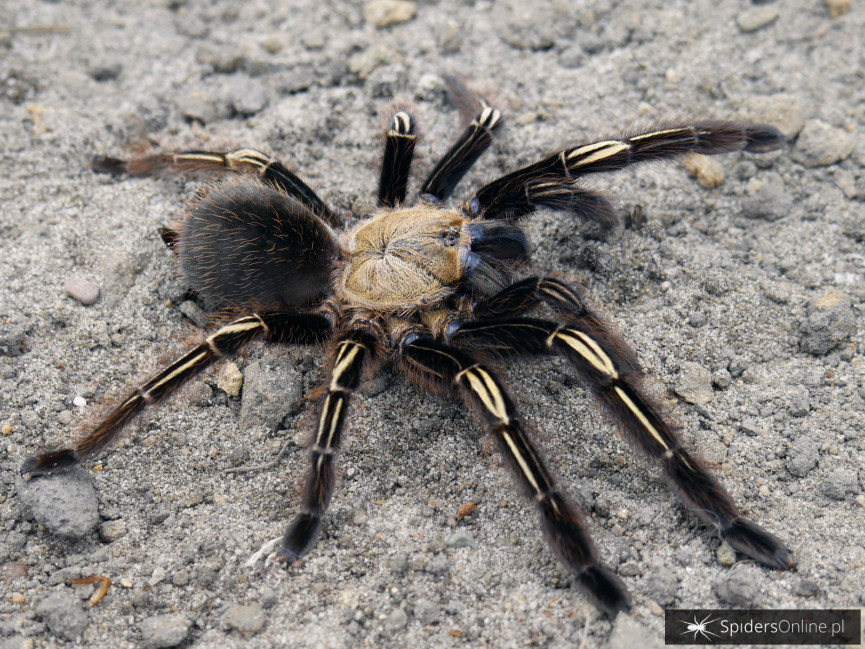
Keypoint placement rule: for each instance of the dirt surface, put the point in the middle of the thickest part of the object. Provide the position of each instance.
(744, 303)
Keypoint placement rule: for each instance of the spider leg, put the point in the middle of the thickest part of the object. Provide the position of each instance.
(396, 163)
(475, 139)
(356, 352)
(550, 182)
(288, 328)
(448, 370)
(271, 171)
(603, 362)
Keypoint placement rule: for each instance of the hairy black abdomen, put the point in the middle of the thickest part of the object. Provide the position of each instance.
(245, 243)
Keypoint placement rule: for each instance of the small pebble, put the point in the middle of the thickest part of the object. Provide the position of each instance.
(81, 290)
(396, 620)
(230, 380)
(757, 17)
(708, 171)
(739, 589)
(164, 631)
(695, 384)
(829, 322)
(427, 612)
(802, 456)
(64, 614)
(65, 503)
(110, 531)
(820, 144)
(247, 619)
(382, 13)
(726, 554)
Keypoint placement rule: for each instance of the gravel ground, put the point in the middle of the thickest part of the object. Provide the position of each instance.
(744, 303)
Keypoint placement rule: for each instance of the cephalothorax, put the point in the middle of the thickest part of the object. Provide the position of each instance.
(436, 292)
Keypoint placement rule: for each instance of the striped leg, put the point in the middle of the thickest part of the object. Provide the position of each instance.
(448, 370)
(550, 182)
(289, 328)
(396, 163)
(269, 170)
(603, 361)
(474, 140)
(356, 352)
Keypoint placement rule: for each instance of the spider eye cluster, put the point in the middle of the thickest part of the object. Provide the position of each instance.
(450, 237)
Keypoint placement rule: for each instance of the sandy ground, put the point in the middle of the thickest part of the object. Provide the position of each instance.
(743, 302)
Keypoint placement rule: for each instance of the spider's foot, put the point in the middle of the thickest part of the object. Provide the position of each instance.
(605, 590)
(299, 538)
(751, 539)
(107, 165)
(48, 463)
(762, 138)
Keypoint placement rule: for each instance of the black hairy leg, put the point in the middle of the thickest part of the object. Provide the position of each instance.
(605, 363)
(473, 141)
(271, 171)
(399, 146)
(550, 182)
(285, 328)
(449, 371)
(357, 352)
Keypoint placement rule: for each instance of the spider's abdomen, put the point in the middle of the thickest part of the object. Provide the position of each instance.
(244, 243)
(405, 259)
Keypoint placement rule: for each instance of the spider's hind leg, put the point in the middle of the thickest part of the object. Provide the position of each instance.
(289, 328)
(452, 372)
(605, 363)
(270, 170)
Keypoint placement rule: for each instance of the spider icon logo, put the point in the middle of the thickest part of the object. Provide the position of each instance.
(696, 627)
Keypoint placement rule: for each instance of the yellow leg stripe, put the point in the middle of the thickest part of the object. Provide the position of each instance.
(347, 352)
(180, 370)
(320, 434)
(524, 467)
(668, 131)
(482, 384)
(642, 418)
(334, 422)
(249, 156)
(595, 152)
(199, 157)
(401, 125)
(588, 349)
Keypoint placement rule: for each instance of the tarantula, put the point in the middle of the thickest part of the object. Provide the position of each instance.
(437, 292)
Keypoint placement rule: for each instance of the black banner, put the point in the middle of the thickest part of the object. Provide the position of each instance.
(763, 627)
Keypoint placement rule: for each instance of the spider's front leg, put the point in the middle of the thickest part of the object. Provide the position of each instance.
(357, 352)
(605, 363)
(550, 182)
(452, 372)
(283, 327)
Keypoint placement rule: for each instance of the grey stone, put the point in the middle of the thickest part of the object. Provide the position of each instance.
(695, 384)
(829, 322)
(662, 586)
(396, 620)
(757, 17)
(269, 395)
(629, 633)
(64, 614)
(112, 530)
(821, 144)
(738, 590)
(840, 483)
(247, 619)
(65, 503)
(803, 456)
(533, 25)
(13, 337)
(163, 631)
(247, 95)
(770, 200)
(81, 290)
(427, 612)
